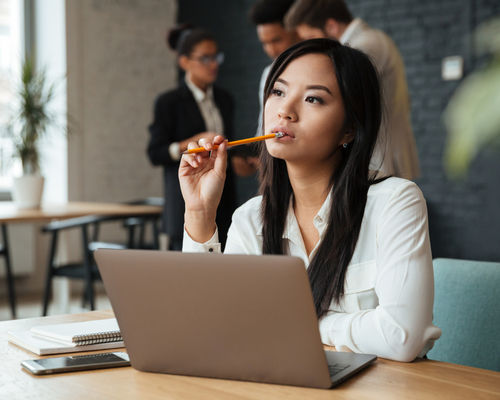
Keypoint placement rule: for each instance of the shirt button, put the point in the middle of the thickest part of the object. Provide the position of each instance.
(211, 250)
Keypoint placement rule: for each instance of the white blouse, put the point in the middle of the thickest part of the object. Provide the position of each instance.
(389, 288)
(209, 111)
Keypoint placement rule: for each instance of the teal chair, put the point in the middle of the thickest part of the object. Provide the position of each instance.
(467, 309)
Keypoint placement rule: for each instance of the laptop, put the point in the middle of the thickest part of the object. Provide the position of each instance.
(239, 317)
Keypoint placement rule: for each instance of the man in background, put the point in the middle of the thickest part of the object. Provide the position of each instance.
(395, 152)
(268, 17)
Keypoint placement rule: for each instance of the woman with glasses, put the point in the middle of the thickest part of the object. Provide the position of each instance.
(195, 109)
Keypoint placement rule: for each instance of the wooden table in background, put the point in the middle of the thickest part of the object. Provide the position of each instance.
(424, 379)
(9, 213)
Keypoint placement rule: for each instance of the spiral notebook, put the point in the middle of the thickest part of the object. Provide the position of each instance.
(80, 333)
(68, 337)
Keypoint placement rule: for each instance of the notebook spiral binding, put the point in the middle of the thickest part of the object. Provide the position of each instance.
(96, 338)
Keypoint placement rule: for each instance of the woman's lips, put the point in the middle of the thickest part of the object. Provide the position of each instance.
(284, 133)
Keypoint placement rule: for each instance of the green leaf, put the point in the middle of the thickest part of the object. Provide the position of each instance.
(30, 121)
(472, 116)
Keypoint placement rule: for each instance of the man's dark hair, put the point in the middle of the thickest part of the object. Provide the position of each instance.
(269, 11)
(315, 13)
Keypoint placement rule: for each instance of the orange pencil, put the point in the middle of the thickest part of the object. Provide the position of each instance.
(237, 142)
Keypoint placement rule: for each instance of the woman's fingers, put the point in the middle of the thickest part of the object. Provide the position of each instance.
(209, 143)
(191, 158)
(206, 143)
(220, 154)
(197, 159)
(221, 158)
(218, 139)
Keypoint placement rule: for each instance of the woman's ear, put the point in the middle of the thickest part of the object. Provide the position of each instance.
(183, 62)
(348, 137)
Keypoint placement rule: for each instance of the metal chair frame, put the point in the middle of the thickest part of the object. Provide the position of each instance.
(87, 269)
(4, 251)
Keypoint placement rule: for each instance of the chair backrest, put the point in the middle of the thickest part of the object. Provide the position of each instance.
(467, 309)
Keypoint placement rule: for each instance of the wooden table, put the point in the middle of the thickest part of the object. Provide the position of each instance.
(385, 380)
(9, 213)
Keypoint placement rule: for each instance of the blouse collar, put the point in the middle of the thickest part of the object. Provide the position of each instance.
(199, 95)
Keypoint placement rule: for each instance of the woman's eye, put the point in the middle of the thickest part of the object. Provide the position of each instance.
(314, 100)
(276, 92)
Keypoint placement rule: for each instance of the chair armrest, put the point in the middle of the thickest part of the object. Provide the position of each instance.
(149, 201)
(93, 246)
(70, 223)
(87, 220)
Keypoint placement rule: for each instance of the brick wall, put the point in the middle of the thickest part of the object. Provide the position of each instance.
(464, 215)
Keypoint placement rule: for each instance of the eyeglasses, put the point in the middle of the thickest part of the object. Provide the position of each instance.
(207, 59)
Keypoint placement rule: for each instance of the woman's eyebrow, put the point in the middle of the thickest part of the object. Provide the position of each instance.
(320, 87)
(313, 87)
(282, 81)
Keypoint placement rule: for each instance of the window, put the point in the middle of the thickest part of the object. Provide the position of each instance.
(11, 53)
(39, 24)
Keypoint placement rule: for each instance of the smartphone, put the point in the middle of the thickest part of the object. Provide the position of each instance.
(76, 363)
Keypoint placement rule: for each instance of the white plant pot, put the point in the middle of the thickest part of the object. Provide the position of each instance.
(27, 191)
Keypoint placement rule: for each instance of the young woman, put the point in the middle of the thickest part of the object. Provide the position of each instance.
(365, 242)
(195, 109)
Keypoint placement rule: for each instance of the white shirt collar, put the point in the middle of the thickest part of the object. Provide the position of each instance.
(292, 230)
(351, 28)
(199, 95)
(320, 219)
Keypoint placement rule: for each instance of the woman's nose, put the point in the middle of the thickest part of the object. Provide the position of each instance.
(287, 112)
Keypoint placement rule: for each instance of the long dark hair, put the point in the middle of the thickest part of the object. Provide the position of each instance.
(359, 87)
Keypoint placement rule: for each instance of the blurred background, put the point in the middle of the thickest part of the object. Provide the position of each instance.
(109, 61)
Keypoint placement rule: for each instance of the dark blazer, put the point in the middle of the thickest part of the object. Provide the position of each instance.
(178, 117)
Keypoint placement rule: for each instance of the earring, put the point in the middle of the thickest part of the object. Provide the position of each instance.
(345, 145)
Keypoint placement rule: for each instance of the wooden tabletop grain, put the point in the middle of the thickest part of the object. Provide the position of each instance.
(424, 379)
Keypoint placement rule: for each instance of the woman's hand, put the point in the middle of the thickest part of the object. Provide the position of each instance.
(201, 178)
(183, 145)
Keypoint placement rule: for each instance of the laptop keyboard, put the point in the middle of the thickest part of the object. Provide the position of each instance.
(336, 368)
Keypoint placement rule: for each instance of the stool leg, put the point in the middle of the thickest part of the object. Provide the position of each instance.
(156, 234)
(10, 278)
(50, 273)
(87, 262)
(141, 244)
(131, 237)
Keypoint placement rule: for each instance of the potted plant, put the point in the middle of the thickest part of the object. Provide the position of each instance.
(27, 126)
(472, 115)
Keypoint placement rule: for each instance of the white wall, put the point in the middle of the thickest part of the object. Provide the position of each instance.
(117, 64)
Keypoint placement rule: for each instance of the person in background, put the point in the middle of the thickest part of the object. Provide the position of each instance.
(396, 150)
(268, 16)
(364, 241)
(196, 108)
